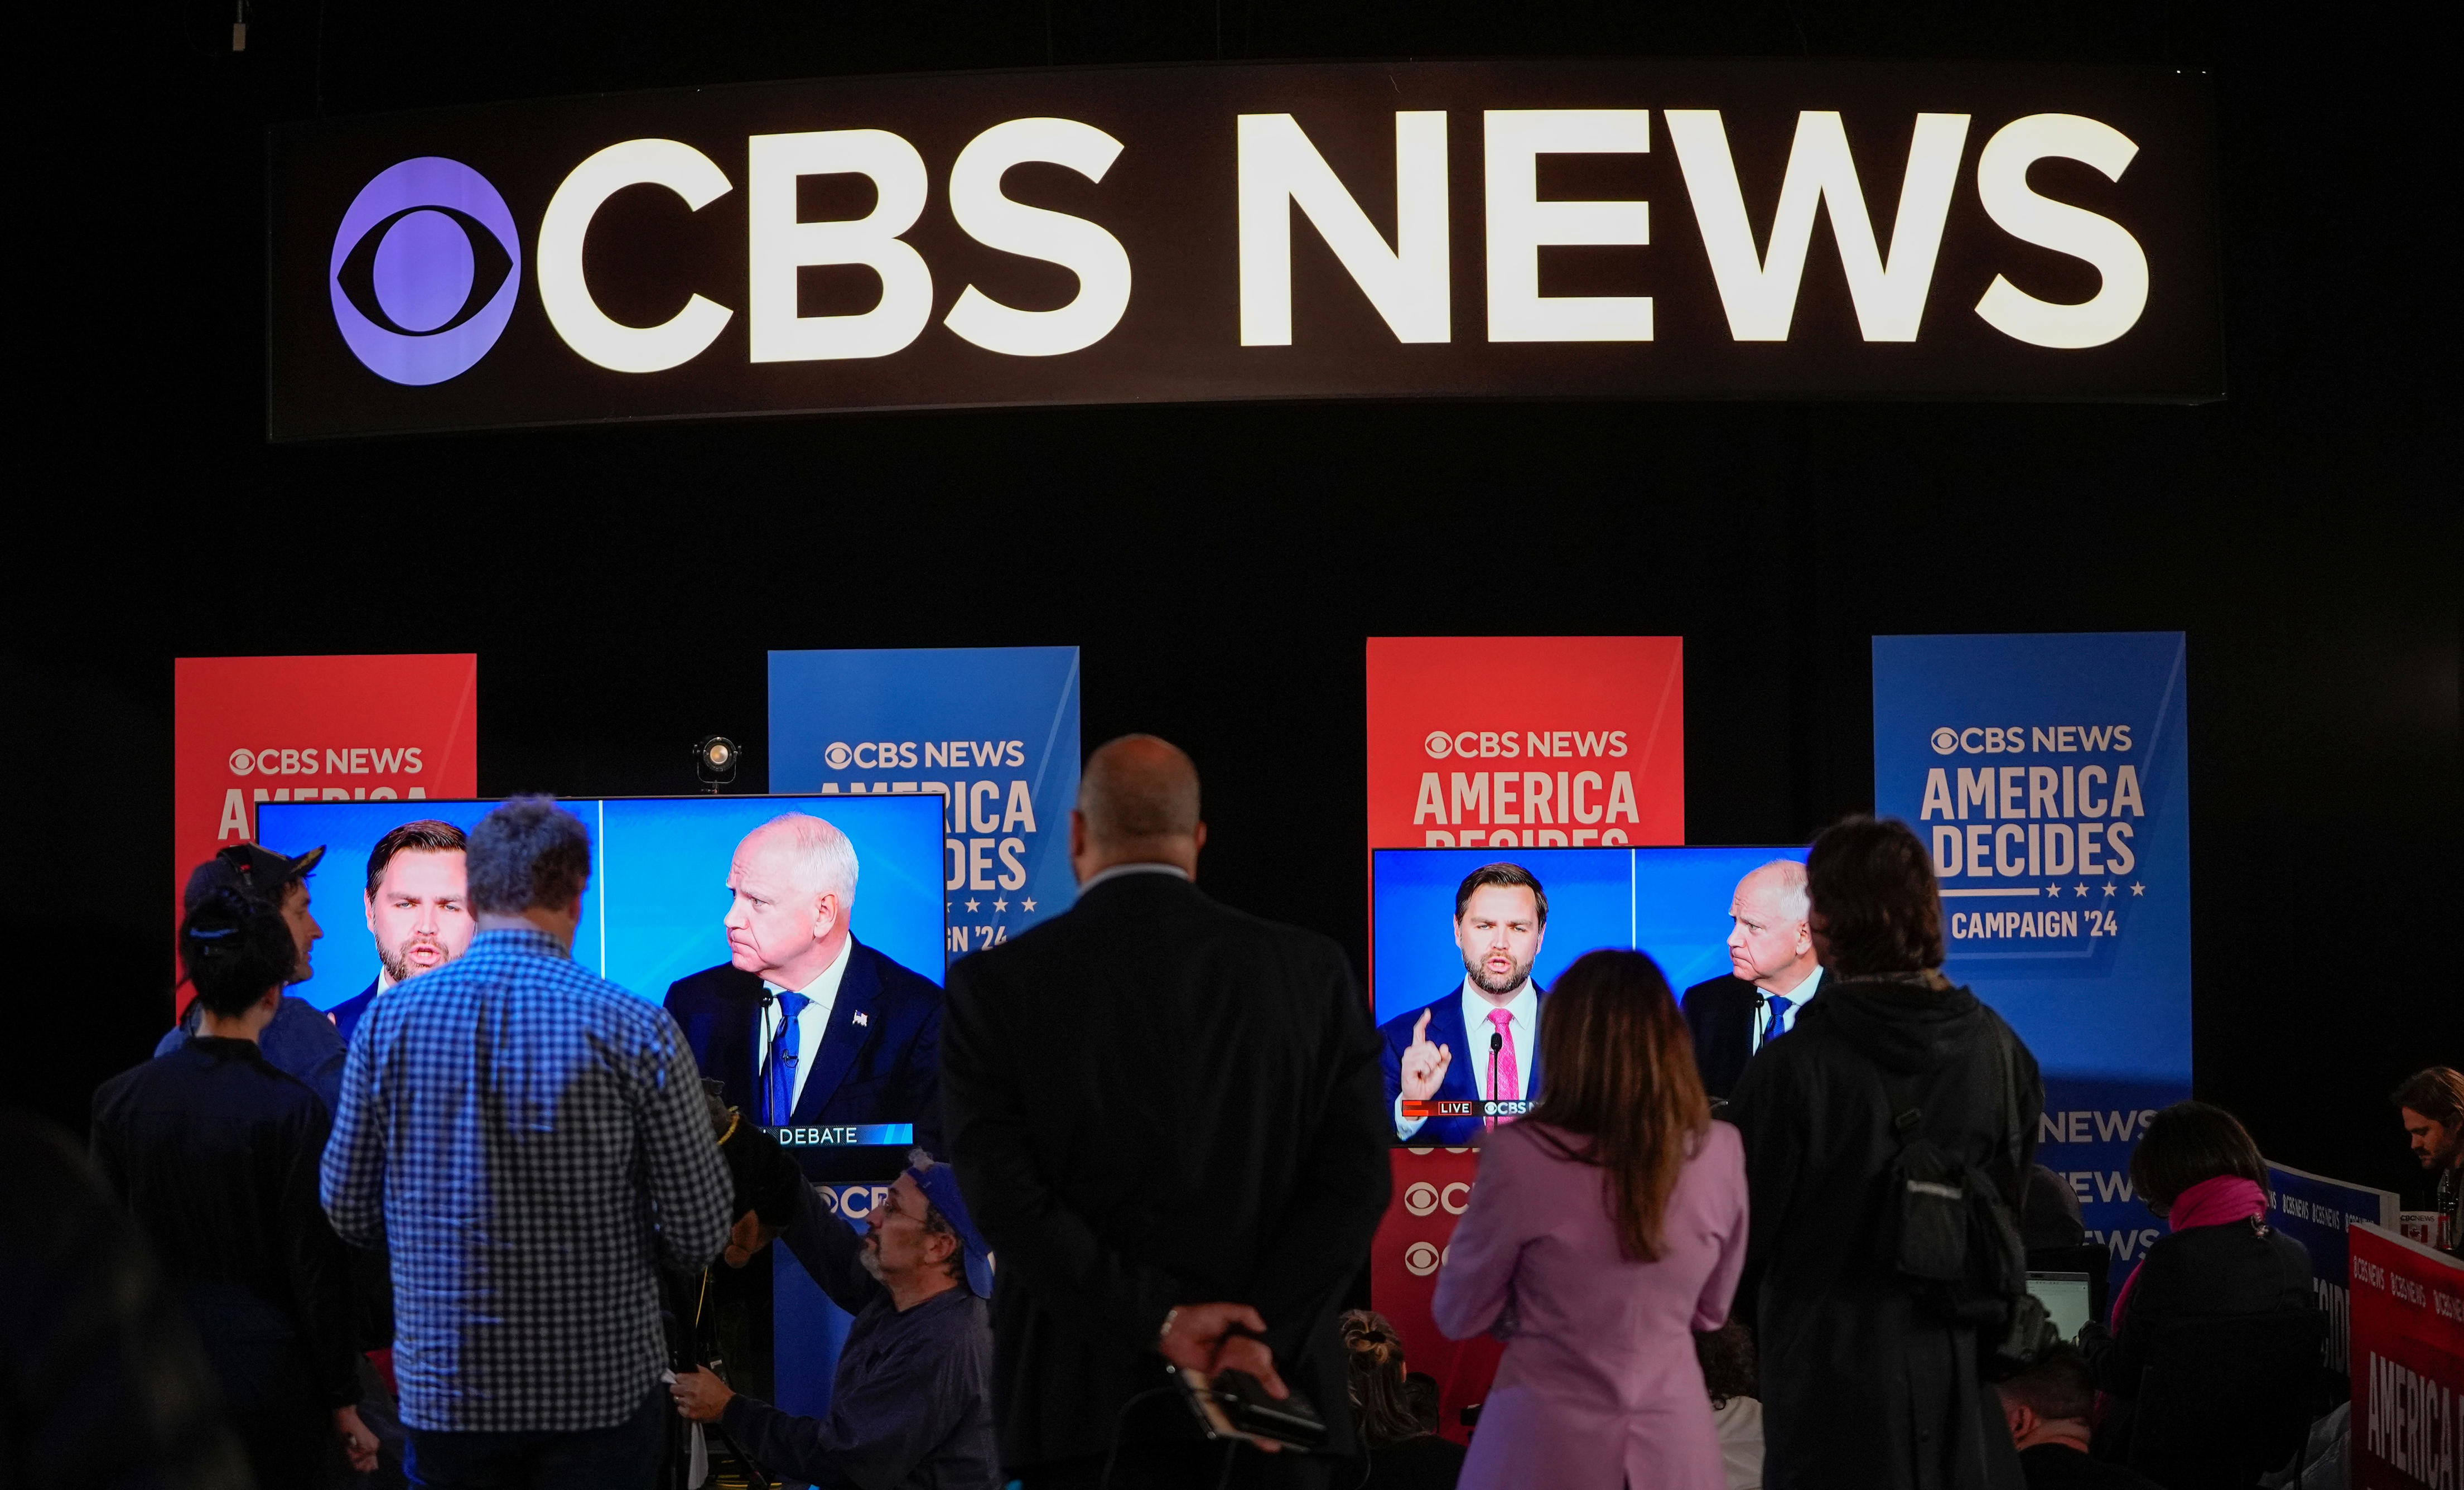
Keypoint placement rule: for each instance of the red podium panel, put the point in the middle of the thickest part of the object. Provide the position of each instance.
(2407, 1341)
(252, 730)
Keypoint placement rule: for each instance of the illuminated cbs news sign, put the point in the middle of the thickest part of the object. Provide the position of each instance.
(1642, 229)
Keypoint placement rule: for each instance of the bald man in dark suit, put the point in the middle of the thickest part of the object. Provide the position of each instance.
(1167, 1118)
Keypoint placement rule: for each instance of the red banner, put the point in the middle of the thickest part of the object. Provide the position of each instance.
(1527, 741)
(1432, 1187)
(252, 730)
(2408, 1334)
(1519, 742)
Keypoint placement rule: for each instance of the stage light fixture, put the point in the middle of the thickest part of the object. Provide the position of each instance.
(715, 759)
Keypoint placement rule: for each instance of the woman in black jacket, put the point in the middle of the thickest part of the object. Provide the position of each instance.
(2198, 1169)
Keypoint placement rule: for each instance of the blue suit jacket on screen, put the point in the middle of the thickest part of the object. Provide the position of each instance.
(884, 1068)
(1458, 1084)
(346, 1014)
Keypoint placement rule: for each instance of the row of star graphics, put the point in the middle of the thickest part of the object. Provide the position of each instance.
(1027, 906)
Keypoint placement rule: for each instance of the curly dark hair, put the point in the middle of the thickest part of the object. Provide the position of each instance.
(1874, 898)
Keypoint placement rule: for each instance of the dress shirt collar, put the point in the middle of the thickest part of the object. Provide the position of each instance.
(1803, 992)
(824, 989)
(1523, 1010)
(1123, 871)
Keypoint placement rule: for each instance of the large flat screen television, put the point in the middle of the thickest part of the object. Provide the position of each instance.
(652, 921)
(1669, 902)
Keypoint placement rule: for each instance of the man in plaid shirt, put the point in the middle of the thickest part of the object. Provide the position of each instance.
(532, 1141)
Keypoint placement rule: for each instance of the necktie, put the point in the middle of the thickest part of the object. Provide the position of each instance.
(1505, 1083)
(778, 1072)
(1778, 1025)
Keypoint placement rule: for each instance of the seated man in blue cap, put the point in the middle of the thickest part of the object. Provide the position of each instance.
(912, 1403)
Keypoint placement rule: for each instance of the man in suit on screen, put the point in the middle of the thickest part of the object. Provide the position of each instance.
(804, 1024)
(1773, 973)
(1481, 1040)
(418, 908)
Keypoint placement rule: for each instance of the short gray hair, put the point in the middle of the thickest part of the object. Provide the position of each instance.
(1788, 887)
(824, 860)
(528, 852)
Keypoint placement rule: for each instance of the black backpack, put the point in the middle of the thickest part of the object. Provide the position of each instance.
(1952, 1239)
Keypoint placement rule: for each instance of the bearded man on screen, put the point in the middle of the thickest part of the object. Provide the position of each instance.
(1480, 1042)
(418, 909)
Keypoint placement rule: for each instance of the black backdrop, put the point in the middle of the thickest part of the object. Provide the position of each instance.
(1220, 566)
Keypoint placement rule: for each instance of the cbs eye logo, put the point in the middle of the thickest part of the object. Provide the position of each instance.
(1945, 740)
(427, 265)
(1438, 744)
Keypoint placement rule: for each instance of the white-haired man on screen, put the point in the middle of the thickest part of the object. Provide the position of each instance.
(1773, 973)
(805, 1024)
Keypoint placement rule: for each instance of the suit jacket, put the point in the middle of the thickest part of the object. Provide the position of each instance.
(346, 1014)
(878, 1060)
(1460, 1083)
(1154, 1100)
(1719, 1014)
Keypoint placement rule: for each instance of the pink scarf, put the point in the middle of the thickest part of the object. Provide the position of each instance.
(2220, 1202)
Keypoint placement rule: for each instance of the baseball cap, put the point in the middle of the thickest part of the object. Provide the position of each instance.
(940, 1186)
(251, 869)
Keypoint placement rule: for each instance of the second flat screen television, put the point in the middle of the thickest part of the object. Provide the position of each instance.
(1669, 902)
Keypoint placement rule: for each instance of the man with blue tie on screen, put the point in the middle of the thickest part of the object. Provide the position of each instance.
(1773, 974)
(1481, 1043)
(805, 1026)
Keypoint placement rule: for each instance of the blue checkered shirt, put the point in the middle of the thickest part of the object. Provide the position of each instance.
(531, 1140)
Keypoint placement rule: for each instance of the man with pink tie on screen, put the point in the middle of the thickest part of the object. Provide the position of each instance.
(1607, 1228)
(1480, 1042)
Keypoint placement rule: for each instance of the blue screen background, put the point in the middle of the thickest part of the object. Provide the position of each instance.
(1670, 903)
(658, 879)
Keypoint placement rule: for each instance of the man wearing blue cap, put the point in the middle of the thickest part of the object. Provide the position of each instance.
(912, 1403)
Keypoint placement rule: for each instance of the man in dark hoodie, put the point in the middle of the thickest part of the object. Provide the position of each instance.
(1862, 1387)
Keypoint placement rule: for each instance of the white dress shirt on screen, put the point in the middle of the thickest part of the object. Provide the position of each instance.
(1522, 1028)
(1797, 999)
(822, 995)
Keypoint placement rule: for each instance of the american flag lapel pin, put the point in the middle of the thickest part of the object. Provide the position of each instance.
(861, 1017)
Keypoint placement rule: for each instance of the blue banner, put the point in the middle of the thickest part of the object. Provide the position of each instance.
(2049, 776)
(2317, 1211)
(993, 730)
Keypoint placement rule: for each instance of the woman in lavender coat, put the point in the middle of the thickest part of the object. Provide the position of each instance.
(1606, 1228)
